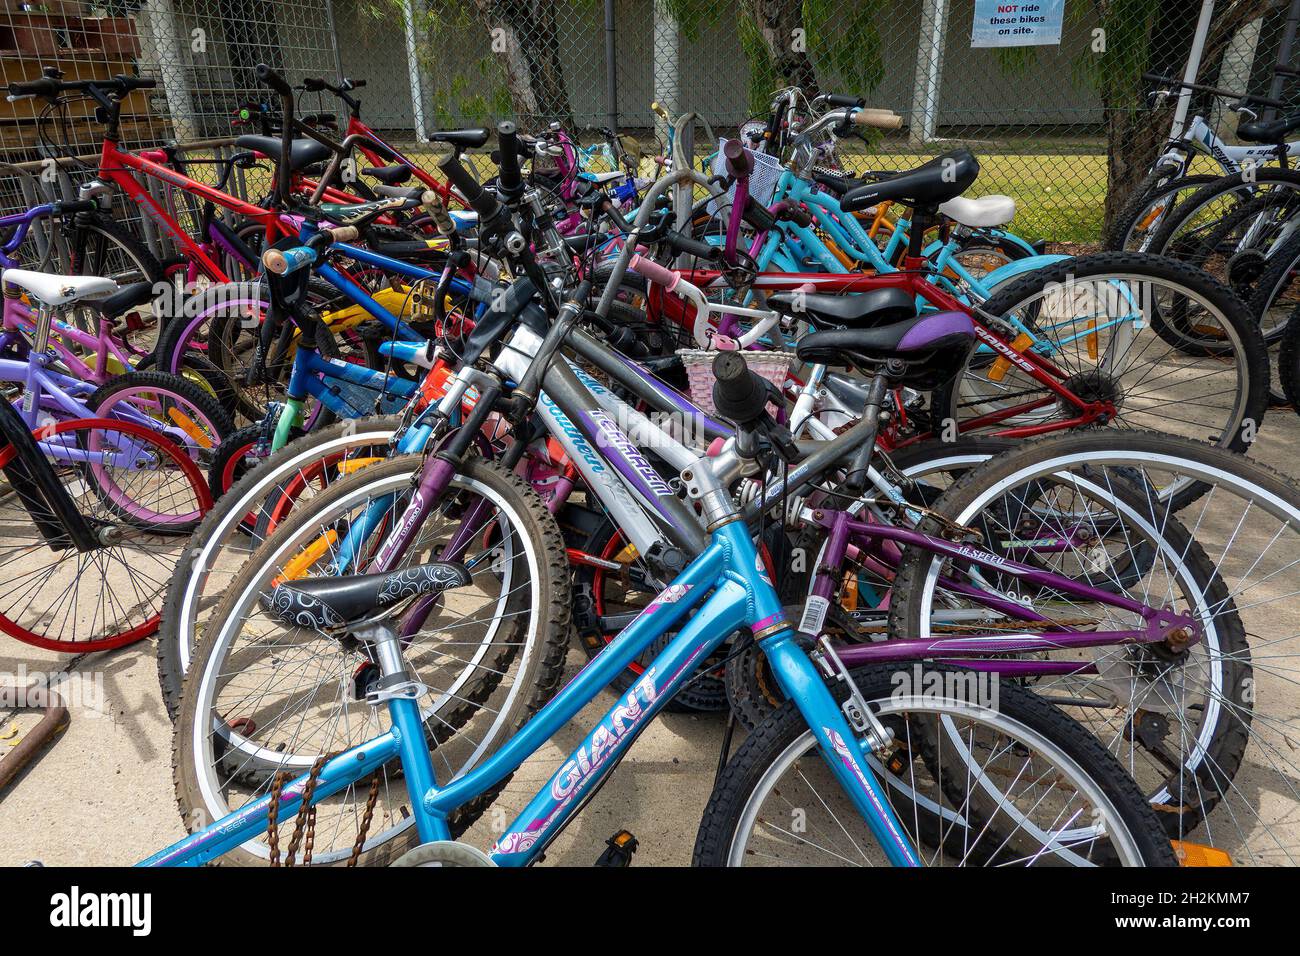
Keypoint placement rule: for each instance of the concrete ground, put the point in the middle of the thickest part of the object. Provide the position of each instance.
(103, 794)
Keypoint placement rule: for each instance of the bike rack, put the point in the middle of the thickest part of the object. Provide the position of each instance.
(54, 721)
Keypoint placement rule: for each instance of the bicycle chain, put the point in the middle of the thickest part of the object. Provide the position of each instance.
(304, 825)
(366, 817)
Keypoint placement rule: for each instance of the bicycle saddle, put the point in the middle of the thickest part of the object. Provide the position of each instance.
(462, 138)
(1273, 131)
(58, 290)
(389, 175)
(302, 152)
(360, 213)
(127, 298)
(942, 178)
(873, 308)
(983, 212)
(931, 347)
(334, 602)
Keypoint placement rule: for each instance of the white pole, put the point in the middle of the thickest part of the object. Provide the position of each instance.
(163, 49)
(929, 71)
(413, 73)
(1193, 67)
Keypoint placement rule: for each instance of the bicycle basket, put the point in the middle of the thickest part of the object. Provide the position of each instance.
(773, 366)
(762, 181)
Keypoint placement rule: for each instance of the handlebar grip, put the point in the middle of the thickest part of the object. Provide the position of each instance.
(693, 247)
(484, 203)
(512, 183)
(880, 119)
(42, 87)
(841, 99)
(738, 394)
(129, 83)
(269, 77)
(343, 233)
(432, 204)
(654, 272)
(739, 162)
(283, 262)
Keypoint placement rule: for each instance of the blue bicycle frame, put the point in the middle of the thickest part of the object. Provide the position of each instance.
(725, 588)
(311, 371)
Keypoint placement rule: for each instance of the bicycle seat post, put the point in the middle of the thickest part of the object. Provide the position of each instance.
(44, 318)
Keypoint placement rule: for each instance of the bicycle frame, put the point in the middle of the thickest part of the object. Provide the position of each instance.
(1200, 137)
(18, 323)
(738, 595)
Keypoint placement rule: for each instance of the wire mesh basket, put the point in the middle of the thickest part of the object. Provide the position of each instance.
(773, 366)
(762, 181)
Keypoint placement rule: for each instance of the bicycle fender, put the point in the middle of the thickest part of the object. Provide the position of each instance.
(1004, 274)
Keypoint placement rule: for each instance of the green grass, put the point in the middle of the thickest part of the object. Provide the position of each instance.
(1059, 197)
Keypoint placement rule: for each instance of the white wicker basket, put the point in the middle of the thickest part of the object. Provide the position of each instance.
(773, 366)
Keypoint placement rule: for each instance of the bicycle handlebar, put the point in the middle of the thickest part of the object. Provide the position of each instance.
(511, 179)
(739, 394)
(880, 119)
(283, 262)
(270, 77)
(50, 87)
(739, 161)
(481, 201)
(1217, 91)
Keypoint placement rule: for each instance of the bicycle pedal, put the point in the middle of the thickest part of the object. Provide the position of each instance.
(619, 850)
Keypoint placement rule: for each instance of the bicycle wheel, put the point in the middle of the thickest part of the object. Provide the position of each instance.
(1171, 348)
(1201, 722)
(239, 523)
(1288, 364)
(1190, 229)
(1023, 785)
(261, 697)
(1151, 203)
(176, 407)
(141, 496)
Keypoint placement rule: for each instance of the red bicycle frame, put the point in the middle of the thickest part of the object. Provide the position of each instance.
(116, 165)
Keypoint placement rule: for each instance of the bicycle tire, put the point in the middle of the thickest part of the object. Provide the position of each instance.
(226, 537)
(131, 564)
(785, 735)
(1239, 334)
(535, 687)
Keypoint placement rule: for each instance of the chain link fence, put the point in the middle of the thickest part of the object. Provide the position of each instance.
(1054, 125)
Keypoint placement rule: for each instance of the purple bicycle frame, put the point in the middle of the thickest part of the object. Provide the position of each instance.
(1161, 624)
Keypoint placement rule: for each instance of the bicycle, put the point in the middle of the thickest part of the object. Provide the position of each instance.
(168, 404)
(1158, 193)
(740, 596)
(96, 511)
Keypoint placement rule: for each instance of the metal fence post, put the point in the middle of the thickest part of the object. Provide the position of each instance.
(929, 71)
(1285, 49)
(164, 49)
(611, 68)
(413, 72)
(666, 64)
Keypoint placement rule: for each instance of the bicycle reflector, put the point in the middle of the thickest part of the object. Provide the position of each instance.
(1198, 854)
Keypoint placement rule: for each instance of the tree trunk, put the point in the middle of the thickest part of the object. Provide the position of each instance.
(777, 21)
(527, 38)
